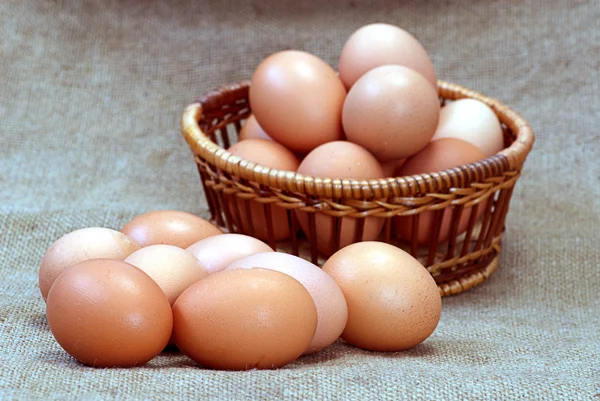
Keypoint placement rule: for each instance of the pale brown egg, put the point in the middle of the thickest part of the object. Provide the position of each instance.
(80, 245)
(340, 159)
(108, 313)
(244, 319)
(439, 155)
(269, 154)
(218, 252)
(169, 227)
(171, 267)
(393, 302)
(251, 130)
(473, 122)
(297, 99)
(391, 111)
(331, 306)
(375, 45)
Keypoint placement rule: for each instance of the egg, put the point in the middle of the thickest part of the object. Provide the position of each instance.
(439, 155)
(171, 267)
(332, 312)
(108, 313)
(269, 154)
(80, 245)
(392, 168)
(472, 121)
(244, 319)
(169, 227)
(392, 111)
(251, 130)
(339, 159)
(297, 99)
(375, 45)
(393, 302)
(218, 252)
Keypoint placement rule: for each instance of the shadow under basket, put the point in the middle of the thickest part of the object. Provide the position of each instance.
(475, 196)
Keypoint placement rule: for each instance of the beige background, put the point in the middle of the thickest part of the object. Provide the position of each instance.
(90, 98)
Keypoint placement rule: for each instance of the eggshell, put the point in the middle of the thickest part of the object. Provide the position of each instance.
(393, 302)
(269, 154)
(391, 111)
(218, 252)
(375, 45)
(80, 245)
(171, 267)
(339, 159)
(473, 122)
(331, 306)
(107, 313)
(251, 130)
(297, 98)
(392, 168)
(169, 227)
(244, 319)
(439, 155)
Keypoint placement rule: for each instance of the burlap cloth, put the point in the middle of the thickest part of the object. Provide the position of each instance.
(91, 93)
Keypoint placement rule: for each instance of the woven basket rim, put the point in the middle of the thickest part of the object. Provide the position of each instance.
(509, 159)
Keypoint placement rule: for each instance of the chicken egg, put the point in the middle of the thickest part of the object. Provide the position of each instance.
(269, 154)
(332, 311)
(375, 45)
(80, 245)
(244, 319)
(439, 155)
(169, 227)
(297, 99)
(391, 111)
(472, 121)
(339, 159)
(393, 302)
(251, 130)
(218, 252)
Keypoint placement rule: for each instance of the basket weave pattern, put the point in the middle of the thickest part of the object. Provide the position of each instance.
(230, 184)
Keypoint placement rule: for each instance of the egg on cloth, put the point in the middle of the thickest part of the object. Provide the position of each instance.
(392, 111)
(108, 313)
(332, 311)
(218, 252)
(169, 227)
(341, 160)
(244, 319)
(80, 245)
(297, 99)
(393, 302)
(439, 155)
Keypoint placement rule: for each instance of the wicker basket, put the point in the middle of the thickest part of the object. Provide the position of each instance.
(230, 184)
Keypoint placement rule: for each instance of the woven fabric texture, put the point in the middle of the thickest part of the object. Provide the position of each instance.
(91, 93)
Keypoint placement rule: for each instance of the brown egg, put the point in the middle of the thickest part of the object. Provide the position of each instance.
(107, 313)
(473, 122)
(297, 98)
(171, 267)
(331, 306)
(216, 253)
(439, 155)
(340, 160)
(391, 111)
(251, 130)
(80, 245)
(244, 319)
(269, 154)
(381, 44)
(393, 302)
(169, 227)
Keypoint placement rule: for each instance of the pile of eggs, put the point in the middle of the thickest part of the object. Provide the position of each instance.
(379, 116)
(170, 279)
